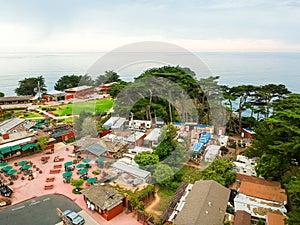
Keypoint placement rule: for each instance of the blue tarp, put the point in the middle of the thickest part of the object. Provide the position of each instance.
(204, 138)
(197, 146)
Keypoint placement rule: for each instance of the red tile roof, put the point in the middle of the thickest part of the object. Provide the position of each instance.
(275, 219)
(242, 218)
(256, 180)
(271, 193)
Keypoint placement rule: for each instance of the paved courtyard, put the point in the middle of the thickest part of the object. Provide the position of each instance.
(27, 189)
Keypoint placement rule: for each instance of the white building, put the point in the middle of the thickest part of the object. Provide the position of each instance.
(211, 152)
(152, 137)
(138, 149)
(245, 165)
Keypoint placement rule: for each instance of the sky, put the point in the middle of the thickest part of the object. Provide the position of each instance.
(197, 25)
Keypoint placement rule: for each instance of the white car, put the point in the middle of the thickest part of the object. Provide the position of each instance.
(74, 217)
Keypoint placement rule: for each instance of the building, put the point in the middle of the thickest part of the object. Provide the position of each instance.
(203, 203)
(242, 218)
(79, 92)
(96, 149)
(12, 125)
(132, 170)
(115, 123)
(211, 152)
(275, 219)
(151, 139)
(105, 87)
(137, 149)
(140, 124)
(104, 199)
(136, 138)
(248, 133)
(16, 144)
(17, 99)
(245, 165)
(54, 95)
(259, 199)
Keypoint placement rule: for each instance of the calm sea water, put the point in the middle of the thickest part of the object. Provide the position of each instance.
(233, 68)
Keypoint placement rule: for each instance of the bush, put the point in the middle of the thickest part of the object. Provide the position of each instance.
(96, 172)
(76, 191)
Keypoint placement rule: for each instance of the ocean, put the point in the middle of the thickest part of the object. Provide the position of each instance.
(233, 68)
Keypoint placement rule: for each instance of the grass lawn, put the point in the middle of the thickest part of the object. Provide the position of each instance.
(90, 106)
(165, 195)
(189, 174)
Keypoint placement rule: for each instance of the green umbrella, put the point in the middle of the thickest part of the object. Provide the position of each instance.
(22, 163)
(67, 174)
(91, 180)
(80, 166)
(101, 160)
(7, 168)
(11, 172)
(3, 164)
(68, 163)
(87, 160)
(26, 167)
(83, 171)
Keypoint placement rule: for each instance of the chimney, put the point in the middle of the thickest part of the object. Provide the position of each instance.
(5, 136)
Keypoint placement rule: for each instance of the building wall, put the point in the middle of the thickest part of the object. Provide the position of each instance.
(68, 136)
(108, 215)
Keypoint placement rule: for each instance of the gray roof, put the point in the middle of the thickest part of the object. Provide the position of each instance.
(131, 170)
(96, 149)
(9, 124)
(153, 135)
(80, 88)
(205, 205)
(104, 197)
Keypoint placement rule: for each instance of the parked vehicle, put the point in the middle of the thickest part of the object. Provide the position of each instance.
(74, 217)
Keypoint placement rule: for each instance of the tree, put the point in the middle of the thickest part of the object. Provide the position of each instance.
(277, 139)
(86, 80)
(77, 183)
(78, 121)
(42, 142)
(163, 174)
(88, 127)
(221, 171)
(146, 159)
(66, 82)
(116, 88)
(109, 77)
(31, 86)
(2, 94)
(165, 149)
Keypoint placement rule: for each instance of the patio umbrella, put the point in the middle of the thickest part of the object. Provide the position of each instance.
(22, 163)
(87, 160)
(68, 163)
(11, 172)
(80, 166)
(91, 180)
(100, 160)
(67, 174)
(26, 167)
(3, 164)
(7, 168)
(83, 171)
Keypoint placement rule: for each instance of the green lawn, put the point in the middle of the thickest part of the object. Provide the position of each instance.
(189, 174)
(90, 106)
(165, 195)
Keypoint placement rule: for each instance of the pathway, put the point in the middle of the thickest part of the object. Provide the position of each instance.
(152, 207)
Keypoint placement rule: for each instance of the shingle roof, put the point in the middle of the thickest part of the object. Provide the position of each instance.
(271, 193)
(96, 149)
(242, 218)
(205, 205)
(103, 196)
(257, 180)
(275, 219)
(16, 98)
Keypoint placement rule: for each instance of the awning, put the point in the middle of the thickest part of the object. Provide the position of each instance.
(16, 147)
(5, 150)
(28, 146)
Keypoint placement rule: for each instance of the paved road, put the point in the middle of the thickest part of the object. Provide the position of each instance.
(37, 211)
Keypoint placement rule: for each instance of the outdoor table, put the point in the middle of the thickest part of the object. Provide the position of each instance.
(67, 174)
(7, 168)
(80, 166)
(83, 171)
(68, 163)
(26, 167)
(11, 172)
(22, 163)
(3, 164)
(91, 180)
(87, 160)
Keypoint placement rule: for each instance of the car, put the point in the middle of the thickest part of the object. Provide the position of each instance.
(74, 217)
